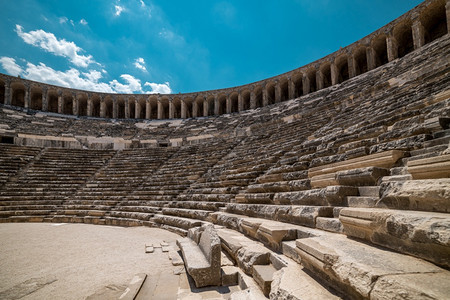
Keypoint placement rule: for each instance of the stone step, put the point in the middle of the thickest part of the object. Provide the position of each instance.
(187, 213)
(263, 275)
(183, 223)
(361, 271)
(399, 178)
(362, 201)
(445, 140)
(369, 191)
(434, 167)
(328, 196)
(329, 224)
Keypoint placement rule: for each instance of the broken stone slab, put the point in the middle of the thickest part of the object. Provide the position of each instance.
(354, 268)
(149, 248)
(432, 167)
(263, 275)
(202, 260)
(382, 159)
(328, 196)
(422, 234)
(175, 257)
(361, 176)
(229, 275)
(425, 194)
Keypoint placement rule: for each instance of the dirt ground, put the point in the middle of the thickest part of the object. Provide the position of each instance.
(74, 261)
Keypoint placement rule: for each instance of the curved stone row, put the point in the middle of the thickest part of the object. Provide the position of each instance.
(425, 23)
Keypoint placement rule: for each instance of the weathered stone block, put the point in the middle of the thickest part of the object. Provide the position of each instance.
(331, 195)
(361, 176)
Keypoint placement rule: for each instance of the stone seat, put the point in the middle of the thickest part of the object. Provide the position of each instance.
(433, 167)
(187, 213)
(327, 196)
(202, 256)
(184, 223)
(422, 234)
(362, 272)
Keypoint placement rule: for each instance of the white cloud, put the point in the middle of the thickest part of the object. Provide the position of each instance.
(119, 9)
(132, 85)
(83, 22)
(158, 88)
(139, 63)
(62, 20)
(142, 3)
(50, 43)
(10, 66)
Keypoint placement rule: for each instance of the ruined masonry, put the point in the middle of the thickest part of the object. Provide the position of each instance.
(331, 181)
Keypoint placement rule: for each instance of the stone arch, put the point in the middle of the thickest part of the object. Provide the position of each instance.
(18, 94)
(67, 105)
(199, 112)
(120, 103)
(141, 108)
(380, 50)
(297, 80)
(210, 102)
(222, 102)
(164, 106)
(153, 107)
(108, 107)
(360, 60)
(36, 97)
(434, 20)
(311, 75)
(52, 100)
(258, 96)
(96, 102)
(2, 91)
(245, 94)
(176, 104)
(403, 34)
(284, 89)
(325, 70)
(234, 102)
(342, 71)
(131, 108)
(188, 106)
(270, 92)
(82, 102)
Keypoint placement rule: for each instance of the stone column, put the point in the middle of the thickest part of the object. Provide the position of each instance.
(252, 100)
(306, 84)
(240, 102)
(127, 108)
(205, 107)
(74, 104)
(418, 33)
(319, 79)
(115, 108)
(89, 106)
(334, 74)
(148, 108)
(183, 109)
(160, 109)
(447, 10)
(194, 109)
(277, 92)
(291, 88)
(351, 66)
(8, 92)
(137, 109)
(265, 96)
(60, 102)
(44, 99)
(392, 48)
(216, 105)
(27, 99)
(171, 109)
(228, 104)
(370, 53)
(102, 107)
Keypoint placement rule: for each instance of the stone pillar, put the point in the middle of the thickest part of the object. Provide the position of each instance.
(102, 107)
(370, 53)
(183, 109)
(205, 107)
(137, 109)
(252, 100)
(89, 106)
(160, 109)
(351, 66)
(127, 108)
(277, 93)
(319, 79)
(115, 108)
(265, 97)
(306, 84)
(240, 102)
(148, 108)
(194, 109)
(74, 104)
(228, 104)
(447, 10)
(334, 74)
(418, 33)
(27, 99)
(392, 48)
(44, 99)
(171, 109)
(8, 92)
(291, 88)
(216, 105)
(60, 102)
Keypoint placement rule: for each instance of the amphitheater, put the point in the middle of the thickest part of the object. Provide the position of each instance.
(331, 181)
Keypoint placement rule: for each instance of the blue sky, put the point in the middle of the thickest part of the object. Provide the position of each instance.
(144, 46)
